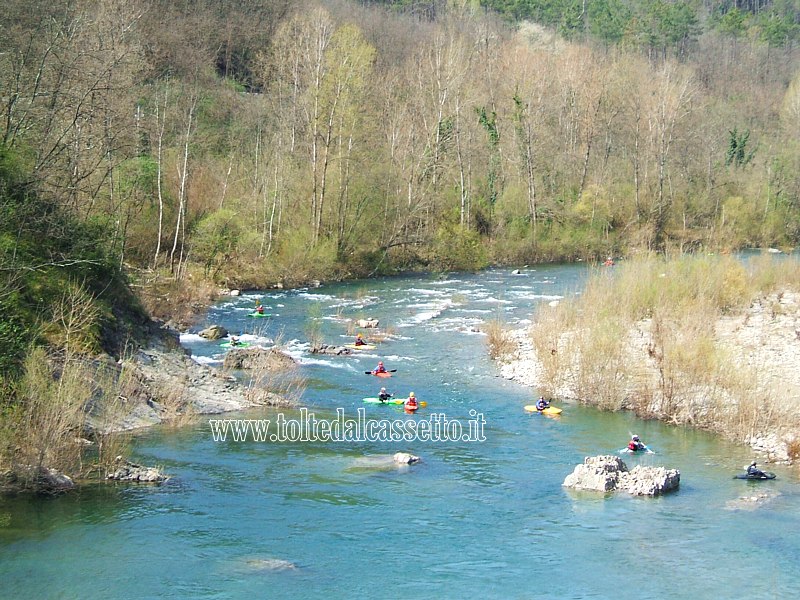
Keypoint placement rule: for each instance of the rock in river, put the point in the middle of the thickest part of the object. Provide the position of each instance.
(609, 473)
(215, 332)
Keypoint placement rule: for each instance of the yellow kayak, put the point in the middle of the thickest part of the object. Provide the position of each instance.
(550, 410)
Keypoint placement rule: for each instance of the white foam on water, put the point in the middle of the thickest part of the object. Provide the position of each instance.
(206, 360)
(318, 297)
(426, 292)
(533, 296)
(334, 364)
(188, 338)
(434, 310)
(494, 300)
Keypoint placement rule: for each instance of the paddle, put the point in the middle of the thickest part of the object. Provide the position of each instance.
(372, 372)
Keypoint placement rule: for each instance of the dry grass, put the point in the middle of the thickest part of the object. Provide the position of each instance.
(276, 382)
(182, 300)
(498, 338)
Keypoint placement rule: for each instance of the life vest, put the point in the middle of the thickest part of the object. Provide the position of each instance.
(633, 446)
(411, 404)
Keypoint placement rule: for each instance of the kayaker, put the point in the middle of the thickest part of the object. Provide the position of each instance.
(754, 471)
(635, 445)
(411, 404)
(234, 341)
(609, 262)
(542, 404)
(379, 369)
(260, 309)
(384, 395)
(360, 340)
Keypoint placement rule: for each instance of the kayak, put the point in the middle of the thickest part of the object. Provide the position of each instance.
(550, 410)
(394, 401)
(762, 477)
(239, 345)
(255, 314)
(382, 374)
(645, 450)
(361, 347)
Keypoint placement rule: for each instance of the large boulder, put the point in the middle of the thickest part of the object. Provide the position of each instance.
(215, 332)
(269, 359)
(599, 473)
(367, 323)
(333, 350)
(609, 473)
(649, 481)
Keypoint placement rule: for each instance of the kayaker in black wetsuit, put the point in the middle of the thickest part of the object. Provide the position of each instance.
(384, 395)
(754, 471)
(542, 404)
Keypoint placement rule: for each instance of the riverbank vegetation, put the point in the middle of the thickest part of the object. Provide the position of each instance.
(171, 148)
(669, 339)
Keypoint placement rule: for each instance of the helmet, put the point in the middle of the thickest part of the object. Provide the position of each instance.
(359, 335)
(411, 394)
(380, 363)
(541, 397)
(636, 438)
(383, 389)
(753, 464)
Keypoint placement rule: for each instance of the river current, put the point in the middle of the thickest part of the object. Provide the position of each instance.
(325, 519)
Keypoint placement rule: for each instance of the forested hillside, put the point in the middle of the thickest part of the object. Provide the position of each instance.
(259, 141)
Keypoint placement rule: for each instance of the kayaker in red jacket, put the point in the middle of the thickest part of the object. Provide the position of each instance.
(379, 369)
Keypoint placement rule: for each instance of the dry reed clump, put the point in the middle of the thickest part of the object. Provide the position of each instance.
(498, 338)
(793, 449)
(53, 393)
(276, 382)
(176, 410)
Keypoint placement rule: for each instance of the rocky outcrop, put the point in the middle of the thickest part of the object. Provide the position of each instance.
(269, 359)
(333, 350)
(41, 480)
(775, 446)
(367, 323)
(128, 471)
(155, 386)
(215, 332)
(609, 473)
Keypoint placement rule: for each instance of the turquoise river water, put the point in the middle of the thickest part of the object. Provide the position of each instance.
(475, 518)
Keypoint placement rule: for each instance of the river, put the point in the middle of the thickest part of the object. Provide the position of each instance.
(313, 519)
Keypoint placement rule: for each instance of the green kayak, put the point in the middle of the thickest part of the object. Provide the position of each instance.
(237, 345)
(394, 401)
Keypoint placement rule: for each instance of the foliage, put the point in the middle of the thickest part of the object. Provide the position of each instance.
(458, 249)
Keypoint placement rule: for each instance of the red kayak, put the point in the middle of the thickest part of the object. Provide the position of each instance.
(382, 374)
